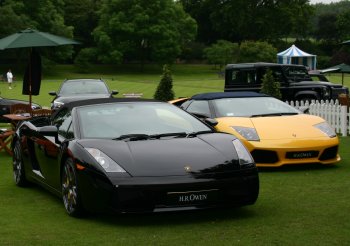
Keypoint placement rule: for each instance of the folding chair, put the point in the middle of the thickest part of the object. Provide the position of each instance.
(20, 108)
(5, 141)
(41, 112)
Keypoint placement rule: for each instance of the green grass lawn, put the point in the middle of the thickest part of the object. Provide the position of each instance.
(297, 205)
(187, 80)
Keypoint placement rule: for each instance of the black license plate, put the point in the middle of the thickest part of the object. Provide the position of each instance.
(302, 154)
(192, 197)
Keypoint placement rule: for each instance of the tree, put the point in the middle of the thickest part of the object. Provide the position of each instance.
(164, 90)
(193, 52)
(222, 53)
(82, 15)
(13, 11)
(343, 25)
(201, 11)
(341, 56)
(257, 52)
(300, 13)
(270, 86)
(326, 27)
(84, 59)
(43, 15)
(48, 16)
(154, 30)
(238, 20)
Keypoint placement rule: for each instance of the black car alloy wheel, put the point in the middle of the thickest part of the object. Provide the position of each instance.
(18, 167)
(70, 191)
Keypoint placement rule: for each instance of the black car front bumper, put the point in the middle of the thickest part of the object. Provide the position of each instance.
(157, 194)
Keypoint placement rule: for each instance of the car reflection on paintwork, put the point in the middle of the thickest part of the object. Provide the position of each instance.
(5, 105)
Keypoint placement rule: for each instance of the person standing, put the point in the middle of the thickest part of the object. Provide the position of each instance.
(9, 78)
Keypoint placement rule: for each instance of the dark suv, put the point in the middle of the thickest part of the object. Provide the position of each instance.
(295, 81)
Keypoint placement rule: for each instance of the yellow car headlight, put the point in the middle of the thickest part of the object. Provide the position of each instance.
(247, 132)
(326, 129)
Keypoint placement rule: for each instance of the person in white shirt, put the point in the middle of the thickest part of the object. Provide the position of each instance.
(9, 78)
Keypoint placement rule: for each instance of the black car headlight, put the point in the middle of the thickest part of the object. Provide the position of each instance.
(56, 104)
(106, 163)
(245, 159)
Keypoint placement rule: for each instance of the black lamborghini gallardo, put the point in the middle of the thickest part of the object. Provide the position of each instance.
(133, 155)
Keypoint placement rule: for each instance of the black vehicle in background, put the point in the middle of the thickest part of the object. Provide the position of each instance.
(317, 75)
(5, 107)
(295, 81)
(80, 89)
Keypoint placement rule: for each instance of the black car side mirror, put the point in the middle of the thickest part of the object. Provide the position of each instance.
(199, 115)
(211, 121)
(52, 93)
(51, 131)
(114, 92)
(206, 119)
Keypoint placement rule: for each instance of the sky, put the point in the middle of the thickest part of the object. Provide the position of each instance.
(323, 1)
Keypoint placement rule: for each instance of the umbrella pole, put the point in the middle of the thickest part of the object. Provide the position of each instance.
(30, 82)
(342, 79)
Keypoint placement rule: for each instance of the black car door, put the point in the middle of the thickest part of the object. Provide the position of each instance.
(48, 150)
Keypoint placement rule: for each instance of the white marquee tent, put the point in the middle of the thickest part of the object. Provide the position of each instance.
(294, 55)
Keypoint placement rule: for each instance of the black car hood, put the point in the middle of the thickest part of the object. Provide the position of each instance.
(169, 157)
(72, 98)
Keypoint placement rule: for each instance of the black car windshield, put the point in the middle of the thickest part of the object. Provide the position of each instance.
(75, 87)
(137, 120)
(252, 106)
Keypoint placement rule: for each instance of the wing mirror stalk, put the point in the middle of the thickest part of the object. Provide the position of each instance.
(51, 131)
(211, 121)
(205, 119)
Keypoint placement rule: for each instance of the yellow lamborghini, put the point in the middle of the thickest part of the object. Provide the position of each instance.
(275, 133)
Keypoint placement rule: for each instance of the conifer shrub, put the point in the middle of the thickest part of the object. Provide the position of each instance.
(164, 90)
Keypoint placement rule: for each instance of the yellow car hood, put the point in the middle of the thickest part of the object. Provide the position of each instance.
(276, 127)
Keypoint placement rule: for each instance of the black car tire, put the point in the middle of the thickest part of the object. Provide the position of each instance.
(70, 190)
(18, 167)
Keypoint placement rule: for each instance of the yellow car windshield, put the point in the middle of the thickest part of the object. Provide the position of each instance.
(252, 106)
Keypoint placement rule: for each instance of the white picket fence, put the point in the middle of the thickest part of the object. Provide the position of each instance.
(335, 114)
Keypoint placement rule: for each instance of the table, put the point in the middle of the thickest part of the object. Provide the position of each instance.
(15, 118)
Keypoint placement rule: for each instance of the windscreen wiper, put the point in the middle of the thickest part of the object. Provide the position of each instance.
(273, 114)
(194, 134)
(169, 134)
(136, 137)
(289, 113)
(132, 137)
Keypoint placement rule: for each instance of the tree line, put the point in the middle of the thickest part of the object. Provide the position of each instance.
(165, 31)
